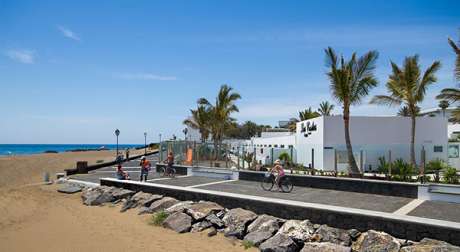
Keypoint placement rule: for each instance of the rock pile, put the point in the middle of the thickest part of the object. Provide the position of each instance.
(267, 232)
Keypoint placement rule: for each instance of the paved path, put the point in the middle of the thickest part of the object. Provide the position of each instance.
(389, 204)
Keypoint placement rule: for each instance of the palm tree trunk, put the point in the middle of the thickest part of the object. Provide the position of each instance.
(353, 168)
(412, 142)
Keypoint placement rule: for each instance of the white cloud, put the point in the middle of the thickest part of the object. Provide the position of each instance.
(145, 76)
(68, 33)
(22, 56)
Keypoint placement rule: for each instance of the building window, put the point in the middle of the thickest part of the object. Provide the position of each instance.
(290, 146)
(282, 146)
(276, 146)
(453, 151)
(269, 145)
(437, 148)
(261, 151)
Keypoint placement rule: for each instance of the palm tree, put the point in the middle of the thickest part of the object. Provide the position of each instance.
(307, 114)
(325, 108)
(221, 112)
(408, 86)
(404, 111)
(350, 82)
(443, 104)
(200, 120)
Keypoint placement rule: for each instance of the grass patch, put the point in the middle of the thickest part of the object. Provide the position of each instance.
(248, 244)
(99, 161)
(158, 218)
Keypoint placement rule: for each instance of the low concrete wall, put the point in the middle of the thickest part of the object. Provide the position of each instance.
(102, 165)
(399, 227)
(439, 192)
(388, 188)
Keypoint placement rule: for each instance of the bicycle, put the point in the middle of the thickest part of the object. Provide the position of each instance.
(268, 182)
(167, 171)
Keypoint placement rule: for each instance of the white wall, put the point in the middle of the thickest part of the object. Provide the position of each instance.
(375, 136)
(308, 141)
(263, 146)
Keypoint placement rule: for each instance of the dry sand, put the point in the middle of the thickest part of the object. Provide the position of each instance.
(37, 218)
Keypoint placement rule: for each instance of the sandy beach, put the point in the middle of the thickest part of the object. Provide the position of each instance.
(37, 218)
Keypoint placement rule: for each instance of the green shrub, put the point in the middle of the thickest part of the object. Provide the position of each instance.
(99, 161)
(402, 169)
(450, 175)
(383, 165)
(248, 244)
(158, 218)
(435, 166)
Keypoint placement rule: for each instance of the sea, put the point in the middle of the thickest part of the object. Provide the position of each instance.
(26, 149)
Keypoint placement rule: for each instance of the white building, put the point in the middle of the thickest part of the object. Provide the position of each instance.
(270, 145)
(318, 139)
(453, 129)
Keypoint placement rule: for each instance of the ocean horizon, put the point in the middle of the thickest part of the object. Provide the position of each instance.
(27, 149)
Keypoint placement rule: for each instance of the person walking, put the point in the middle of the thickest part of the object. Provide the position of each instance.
(127, 154)
(145, 168)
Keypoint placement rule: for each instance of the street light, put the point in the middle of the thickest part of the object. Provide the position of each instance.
(117, 133)
(145, 142)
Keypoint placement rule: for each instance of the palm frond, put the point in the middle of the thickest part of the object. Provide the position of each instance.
(385, 100)
(449, 94)
(427, 79)
(456, 49)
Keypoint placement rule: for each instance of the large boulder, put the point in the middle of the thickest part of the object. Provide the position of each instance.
(258, 237)
(334, 235)
(279, 243)
(265, 223)
(148, 201)
(299, 231)
(236, 221)
(179, 207)
(215, 221)
(430, 245)
(200, 226)
(139, 199)
(179, 222)
(324, 247)
(69, 188)
(120, 193)
(376, 241)
(159, 205)
(200, 210)
(97, 195)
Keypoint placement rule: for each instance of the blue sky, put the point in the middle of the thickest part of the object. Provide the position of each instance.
(73, 72)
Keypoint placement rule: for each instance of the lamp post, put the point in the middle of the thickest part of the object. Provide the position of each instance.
(117, 133)
(145, 143)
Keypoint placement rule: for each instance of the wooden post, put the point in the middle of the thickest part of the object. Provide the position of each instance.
(271, 154)
(312, 158)
(422, 165)
(238, 157)
(390, 164)
(335, 162)
(361, 162)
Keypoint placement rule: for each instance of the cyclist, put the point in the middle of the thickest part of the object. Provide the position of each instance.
(145, 168)
(169, 163)
(278, 169)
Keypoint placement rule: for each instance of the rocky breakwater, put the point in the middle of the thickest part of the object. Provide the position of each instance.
(266, 232)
